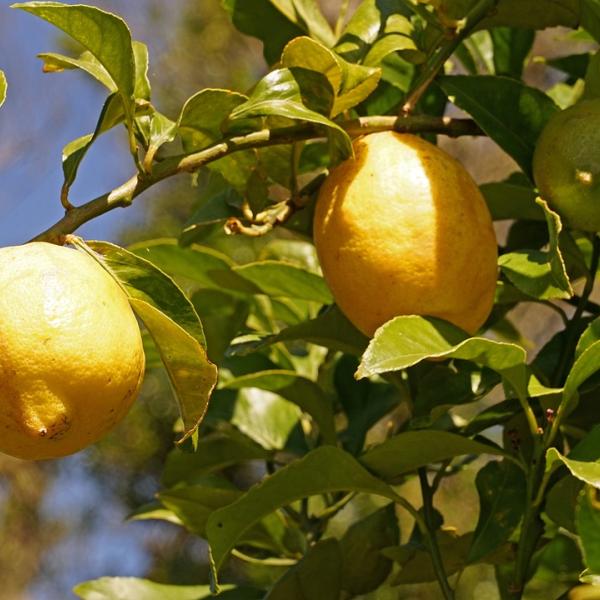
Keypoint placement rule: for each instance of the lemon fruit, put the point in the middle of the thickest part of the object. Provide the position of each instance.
(566, 165)
(402, 229)
(71, 355)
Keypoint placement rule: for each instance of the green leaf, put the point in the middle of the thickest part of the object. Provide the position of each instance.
(574, 65)
(587, 519)
(586, 364)
(511, 47)
(204, 265)
(131, 588)
(264, 21)
(266, 418)
(303, 392)
(407, 340)
(174, 326)
(330, 329)
(408, 451)
(588, 472)
(371, 19)
(193, 504)
(317, 575)
(512, 200)
(561, 501)
(55, 63)
(364, 402)
(214, 452)
(590, 335)
(502, 500)
(350, 83)
(365, 568)
(105, 35)
(521, 13)
(538, 273)
(278, 95)
(3, 87)
(416, 565)
(285, 280)
(590, 17)
(326, 469)
(141, 88)
(307, 13)
(202, 117)
(508, 111)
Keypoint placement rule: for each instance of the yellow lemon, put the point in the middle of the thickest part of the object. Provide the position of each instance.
(402, 229)
(71, 355)
(566, 165)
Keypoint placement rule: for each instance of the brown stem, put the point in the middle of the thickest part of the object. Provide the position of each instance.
(124, 194)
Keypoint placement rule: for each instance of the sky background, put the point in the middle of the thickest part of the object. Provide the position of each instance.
(42, 113)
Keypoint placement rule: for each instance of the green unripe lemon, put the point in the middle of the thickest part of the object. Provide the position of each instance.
(566, 165)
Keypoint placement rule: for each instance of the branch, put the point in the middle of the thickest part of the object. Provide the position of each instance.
(437, 60)
(125, 194)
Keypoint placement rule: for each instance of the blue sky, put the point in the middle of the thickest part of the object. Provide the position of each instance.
(42, 113)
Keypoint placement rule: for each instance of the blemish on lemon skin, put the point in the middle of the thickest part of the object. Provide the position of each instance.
(584, 177)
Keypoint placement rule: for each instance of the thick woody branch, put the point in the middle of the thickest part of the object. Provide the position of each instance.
(128, 191)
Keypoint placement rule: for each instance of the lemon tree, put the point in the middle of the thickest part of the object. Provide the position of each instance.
(339, 308)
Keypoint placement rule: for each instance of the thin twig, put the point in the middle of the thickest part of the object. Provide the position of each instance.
(136, 185)
(434, 549)
(444, 52)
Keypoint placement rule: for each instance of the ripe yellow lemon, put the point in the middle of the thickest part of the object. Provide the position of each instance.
(71, 355)
(566, 165)
(402, 229)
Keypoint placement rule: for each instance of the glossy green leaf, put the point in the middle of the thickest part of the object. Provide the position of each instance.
(590, 17)
(588, 472)
(502, 501)
(508, 200)
(364, 402)
(388, 44)
(174, 326)
(263, 20)
(587, 519)
(326, 469)
(586, 364)
(202, 117)
(141, 88)
(278, 95)
(131, 588)
(330, 329)
(538, 273)
(265, 417)
(143, 281)
(103, 34)
(223, 316)
(214, 452)
(364, 567)
(193, 504)
(406, 452)
(285, 280)
(521, 13)
(317, 575)
(87, 62)
(407, 340)
(590, 335)
(192, 375)
(201, 264)
(561, 501)
(511, 47)
(511, 113)
(371, 19)
(303, 392)
(350, 83)
(3, 87)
